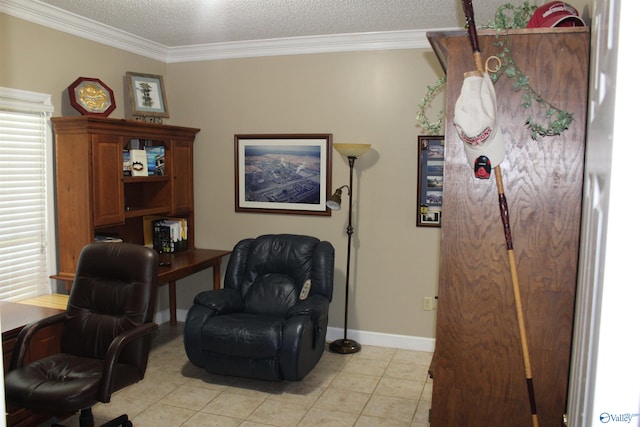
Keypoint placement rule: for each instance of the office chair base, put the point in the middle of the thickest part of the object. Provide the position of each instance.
(121, 421)
(86, 420)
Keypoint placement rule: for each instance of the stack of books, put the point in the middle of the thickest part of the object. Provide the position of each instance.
(147, 162)
(170, 235)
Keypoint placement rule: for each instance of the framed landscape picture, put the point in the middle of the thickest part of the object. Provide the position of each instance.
(283, 173)
(430, 180)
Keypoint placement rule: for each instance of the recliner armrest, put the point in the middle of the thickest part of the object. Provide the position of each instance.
(221, 301)
(314, 306)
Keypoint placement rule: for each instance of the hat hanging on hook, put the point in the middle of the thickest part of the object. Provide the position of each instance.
(475, 119)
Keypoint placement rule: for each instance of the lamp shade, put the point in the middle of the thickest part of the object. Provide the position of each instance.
(352, 150)
(335, 202)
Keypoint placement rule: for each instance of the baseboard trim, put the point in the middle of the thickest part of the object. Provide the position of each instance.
(405, 342)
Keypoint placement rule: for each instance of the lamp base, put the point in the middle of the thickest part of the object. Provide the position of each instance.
(344, 346)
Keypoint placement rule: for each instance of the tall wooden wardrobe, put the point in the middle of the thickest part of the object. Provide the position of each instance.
(477, 368)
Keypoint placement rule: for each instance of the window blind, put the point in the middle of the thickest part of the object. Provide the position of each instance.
(25, 255)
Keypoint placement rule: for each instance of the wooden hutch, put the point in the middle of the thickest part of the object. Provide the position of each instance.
(94, 196)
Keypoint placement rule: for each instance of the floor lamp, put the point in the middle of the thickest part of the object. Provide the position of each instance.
(351, 152)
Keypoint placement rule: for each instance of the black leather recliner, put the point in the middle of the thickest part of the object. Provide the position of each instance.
(262, 325)
(106, 335)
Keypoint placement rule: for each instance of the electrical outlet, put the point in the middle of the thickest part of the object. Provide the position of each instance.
(428, 304)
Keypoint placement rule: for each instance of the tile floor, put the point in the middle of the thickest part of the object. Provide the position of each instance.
(376, 387)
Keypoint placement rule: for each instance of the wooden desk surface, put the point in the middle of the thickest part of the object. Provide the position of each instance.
(15, 316)
(183, 264)
(187, 262)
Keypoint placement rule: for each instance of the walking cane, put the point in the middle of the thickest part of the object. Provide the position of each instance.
(504, 215)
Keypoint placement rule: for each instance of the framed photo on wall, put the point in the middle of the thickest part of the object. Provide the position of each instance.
(147, 95)
(430, 180)
(283, 173)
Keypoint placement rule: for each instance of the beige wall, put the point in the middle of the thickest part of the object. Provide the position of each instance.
(367, 97)
(35, 58)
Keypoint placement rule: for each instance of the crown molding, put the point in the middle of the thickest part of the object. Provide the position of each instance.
(70, 23)
(412, 39)
(58, 19)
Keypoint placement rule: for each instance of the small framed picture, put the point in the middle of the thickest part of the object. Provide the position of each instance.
(430, 180)
(283, 173)
(147, 95)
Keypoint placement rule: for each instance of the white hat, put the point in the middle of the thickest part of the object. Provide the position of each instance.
(476, 121)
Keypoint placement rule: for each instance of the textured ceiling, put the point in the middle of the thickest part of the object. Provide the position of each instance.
(175, 23)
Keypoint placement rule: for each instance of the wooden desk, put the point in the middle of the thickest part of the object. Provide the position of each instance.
(44, 343)
(15, 316)
(184, 264)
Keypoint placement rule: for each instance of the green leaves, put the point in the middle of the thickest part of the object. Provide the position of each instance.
(429, 127)
(547, 120)
(550, 120)
(510, 16)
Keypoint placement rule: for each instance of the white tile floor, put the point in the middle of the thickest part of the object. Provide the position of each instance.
(376, 387)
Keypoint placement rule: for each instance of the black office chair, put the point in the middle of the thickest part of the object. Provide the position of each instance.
(270, 320)
(105, 339)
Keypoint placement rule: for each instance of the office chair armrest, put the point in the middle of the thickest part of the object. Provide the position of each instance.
(113, 352)
(25, 335)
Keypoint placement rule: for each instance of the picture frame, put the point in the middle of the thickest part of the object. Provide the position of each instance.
(430, 180)
(283, 173)
(91, 97)
(147, 96)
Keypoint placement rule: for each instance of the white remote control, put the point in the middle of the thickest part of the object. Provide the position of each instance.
(304, 293)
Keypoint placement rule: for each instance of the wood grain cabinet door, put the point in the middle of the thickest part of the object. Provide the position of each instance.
(108, 187)
(182, 171)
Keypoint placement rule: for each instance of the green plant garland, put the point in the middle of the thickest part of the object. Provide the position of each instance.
(507, 17)
(435, 127)
(557, 120)
(510, 16)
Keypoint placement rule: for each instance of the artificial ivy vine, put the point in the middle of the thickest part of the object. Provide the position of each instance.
(556, 120)
(429, 127)
(507, 17)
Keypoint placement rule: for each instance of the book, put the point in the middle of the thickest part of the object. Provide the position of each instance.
(155, 160)
(167, 234)
(162, 237)
(138, 163)
(126, 163)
